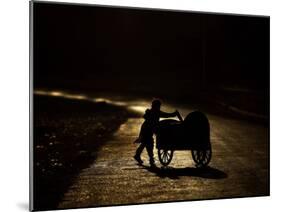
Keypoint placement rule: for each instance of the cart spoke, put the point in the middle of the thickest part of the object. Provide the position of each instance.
(201, 157)
(165, 156)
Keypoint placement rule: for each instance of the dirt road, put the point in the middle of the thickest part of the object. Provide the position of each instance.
(239, 167)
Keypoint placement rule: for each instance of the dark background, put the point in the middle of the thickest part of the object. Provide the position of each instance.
(149, 52)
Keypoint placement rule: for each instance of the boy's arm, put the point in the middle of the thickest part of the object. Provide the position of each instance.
(167, 115)
(146, 115)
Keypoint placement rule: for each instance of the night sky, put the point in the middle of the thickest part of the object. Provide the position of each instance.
(126, 50)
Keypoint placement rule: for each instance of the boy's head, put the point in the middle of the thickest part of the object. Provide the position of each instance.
(156, 104)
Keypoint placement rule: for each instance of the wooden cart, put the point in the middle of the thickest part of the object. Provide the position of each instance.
(193, 133)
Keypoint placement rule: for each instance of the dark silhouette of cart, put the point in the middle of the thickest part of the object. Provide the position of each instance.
(192, 133)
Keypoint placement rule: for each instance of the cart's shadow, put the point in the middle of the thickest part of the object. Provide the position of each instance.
(176, 173)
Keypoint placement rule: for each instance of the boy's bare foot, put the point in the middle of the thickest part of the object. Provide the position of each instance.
(138, 159)
(152, 165)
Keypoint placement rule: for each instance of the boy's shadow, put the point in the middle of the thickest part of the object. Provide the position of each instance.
(175, 173)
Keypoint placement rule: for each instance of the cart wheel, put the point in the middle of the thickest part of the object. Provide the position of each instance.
(165, 156)
(202, 157)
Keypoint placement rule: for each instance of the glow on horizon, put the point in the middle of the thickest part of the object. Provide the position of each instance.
(136, 106)
(60, 94)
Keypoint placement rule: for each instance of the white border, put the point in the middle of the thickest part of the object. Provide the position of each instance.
(14, 62)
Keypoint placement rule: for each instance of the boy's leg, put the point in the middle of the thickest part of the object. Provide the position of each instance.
(138, 153)
(140, 149)
(149, 149)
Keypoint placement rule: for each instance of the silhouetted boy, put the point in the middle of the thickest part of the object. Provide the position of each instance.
(148, 127)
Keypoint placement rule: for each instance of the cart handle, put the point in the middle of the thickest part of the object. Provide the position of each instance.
(179, 115)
